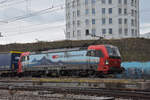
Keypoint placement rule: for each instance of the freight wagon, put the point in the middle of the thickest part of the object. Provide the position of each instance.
(95, 60)
(135, 70)
(9, 63)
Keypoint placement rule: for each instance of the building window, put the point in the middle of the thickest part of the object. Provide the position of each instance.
(110, 11)
(87, 22)
(74, 14)
(93, 21)
(73, 35)
(132, 12)
(120, 20)
(86, 2)
(135, 3)
(103, 31)
(103, 11)
(132, 22)
(120, 31)
(78, 2)
(126, 32)
(103, 1)
(93, 11)
(135, 13)
(135, 22)
(132, 32)
(119, 11)
(94, 32)
(110, 20)
(68, 15)
(87, 32)
(68, 35)
(78, 23)
(110, 1)
(73, 4)
(86, 11)
(68, 25)
(119, 1)
(93, 1)
(103, 21)
(78, 13)
(125, 2)
(73, 23)
(68, 5)
(136, 34)
(110, 31)
(78, 33)
(125, 21)
(132, 2)
(125, 11)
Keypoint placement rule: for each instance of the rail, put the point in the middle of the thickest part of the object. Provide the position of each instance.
(120, 92)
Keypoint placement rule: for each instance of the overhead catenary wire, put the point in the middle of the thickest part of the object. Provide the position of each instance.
(36, 25)
(30, 26)
(48, 10)
(6, 1)
(39, 29)
(62, 6)
(54, 11)
(35, 13)
(44, 11)
(8, 4)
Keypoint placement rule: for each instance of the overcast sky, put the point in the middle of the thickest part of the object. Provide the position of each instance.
(46, 27)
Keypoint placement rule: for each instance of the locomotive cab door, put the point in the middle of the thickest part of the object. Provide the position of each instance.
(90, 55)
(14, 61)
(25, 62)
(94, 58)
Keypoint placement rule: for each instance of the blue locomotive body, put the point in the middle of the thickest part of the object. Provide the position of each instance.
(65, 60)
(94, 60)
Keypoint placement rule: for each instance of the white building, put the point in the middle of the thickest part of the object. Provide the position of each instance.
(104, 18)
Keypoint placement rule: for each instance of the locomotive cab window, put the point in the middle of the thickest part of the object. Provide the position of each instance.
(88, 53)
(25, 58)
(99, 53)
(95, 53)
(113, 52)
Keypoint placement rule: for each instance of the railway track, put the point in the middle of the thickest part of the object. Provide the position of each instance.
(138, 95)
(113, 92)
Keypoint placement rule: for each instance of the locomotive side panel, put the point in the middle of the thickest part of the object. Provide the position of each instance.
(75, 60)
(32, 62)
(68, 60)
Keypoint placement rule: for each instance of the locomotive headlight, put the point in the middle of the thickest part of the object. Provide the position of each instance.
(106, 62)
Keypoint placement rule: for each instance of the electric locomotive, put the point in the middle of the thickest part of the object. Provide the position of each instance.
(96, 60)
(9, 63)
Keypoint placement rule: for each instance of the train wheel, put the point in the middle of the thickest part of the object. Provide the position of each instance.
(100, 74)
(91, 74)
(55, 74)
(63, 73)
(3, 75)
(20, 75)
(83, 74)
